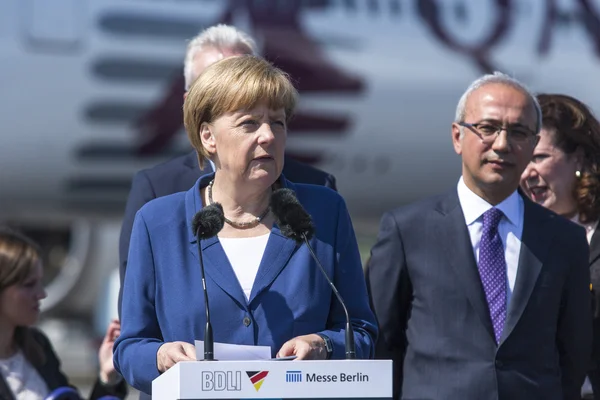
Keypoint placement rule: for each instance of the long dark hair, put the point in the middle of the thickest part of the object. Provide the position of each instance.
(18, 258)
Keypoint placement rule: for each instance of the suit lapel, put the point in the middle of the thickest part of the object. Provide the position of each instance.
(454, 235)
(595, 246)
(277, 253)
(218, 268)
(535, 243)
(276, 256)
(216, 264)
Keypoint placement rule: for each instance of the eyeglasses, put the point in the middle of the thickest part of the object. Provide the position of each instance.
(488, 132)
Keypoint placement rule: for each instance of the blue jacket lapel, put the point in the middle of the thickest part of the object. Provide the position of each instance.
(216, 264)
(277, 254)
(218, 268)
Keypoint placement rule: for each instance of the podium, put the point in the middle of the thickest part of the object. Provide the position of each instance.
(269, 379)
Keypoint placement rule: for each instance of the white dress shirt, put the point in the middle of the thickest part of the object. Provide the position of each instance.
(590, 227)
(22, 378)
(510, 227)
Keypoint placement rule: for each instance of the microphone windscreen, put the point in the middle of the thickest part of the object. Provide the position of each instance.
(209, 221)
(292, 218)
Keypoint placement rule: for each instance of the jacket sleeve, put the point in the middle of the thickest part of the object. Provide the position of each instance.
(136, 347)
(574, 339)
(350, 282)
(390, 293)
(141, 192)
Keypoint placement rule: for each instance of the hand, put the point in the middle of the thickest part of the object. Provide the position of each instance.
(307, 347)
(171, 353)
(108, 374)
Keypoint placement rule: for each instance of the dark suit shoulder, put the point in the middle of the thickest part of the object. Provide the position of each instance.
(167, 168)
(299, 172)
(176, 175)
(419, 209)
(559, 222)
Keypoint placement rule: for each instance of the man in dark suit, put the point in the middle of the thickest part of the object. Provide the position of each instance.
(480, 293)
(181, 173)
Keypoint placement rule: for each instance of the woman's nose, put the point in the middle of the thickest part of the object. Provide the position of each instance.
(265, 134)
(530, 172)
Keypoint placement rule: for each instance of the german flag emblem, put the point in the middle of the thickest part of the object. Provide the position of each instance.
(257, 378)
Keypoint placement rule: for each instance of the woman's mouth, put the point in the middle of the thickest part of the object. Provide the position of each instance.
(538, 192)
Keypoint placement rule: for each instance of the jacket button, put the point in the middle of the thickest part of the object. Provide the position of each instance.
(247, 321)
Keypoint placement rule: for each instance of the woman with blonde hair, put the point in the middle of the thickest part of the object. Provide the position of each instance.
(29, 367)
(564, 176)
(264, 288)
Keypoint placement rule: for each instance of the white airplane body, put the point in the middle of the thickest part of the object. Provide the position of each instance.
(379, 82)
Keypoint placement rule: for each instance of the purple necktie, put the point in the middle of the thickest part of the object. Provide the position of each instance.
(492, 269)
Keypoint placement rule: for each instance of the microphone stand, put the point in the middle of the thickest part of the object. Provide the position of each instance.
(208, 332)
(350, 346)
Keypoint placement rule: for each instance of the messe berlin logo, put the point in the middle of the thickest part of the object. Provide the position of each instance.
(293, 376)
(257, 378)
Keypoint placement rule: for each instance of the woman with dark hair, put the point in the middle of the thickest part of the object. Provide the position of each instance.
(29, 367)
(564, 176)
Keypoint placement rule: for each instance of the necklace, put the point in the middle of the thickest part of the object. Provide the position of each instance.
(239, 225)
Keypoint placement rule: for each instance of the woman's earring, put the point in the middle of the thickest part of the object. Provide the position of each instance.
(578, 174)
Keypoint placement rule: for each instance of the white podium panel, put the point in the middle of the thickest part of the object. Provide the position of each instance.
(331, 379)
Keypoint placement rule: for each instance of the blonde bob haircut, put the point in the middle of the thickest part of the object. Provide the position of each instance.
(232, 84)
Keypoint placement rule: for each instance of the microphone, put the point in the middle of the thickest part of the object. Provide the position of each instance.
(206, 224)
(295, 223)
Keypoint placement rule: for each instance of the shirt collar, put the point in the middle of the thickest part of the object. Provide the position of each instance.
(590, 227)
(474, 206)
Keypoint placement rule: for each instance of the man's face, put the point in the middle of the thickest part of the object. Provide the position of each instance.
(493, 170)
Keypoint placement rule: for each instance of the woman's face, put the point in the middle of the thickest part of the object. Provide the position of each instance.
(550, 179)
(20, 303)
(248, 145)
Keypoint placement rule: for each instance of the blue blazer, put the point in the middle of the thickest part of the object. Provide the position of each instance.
(162, 294)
